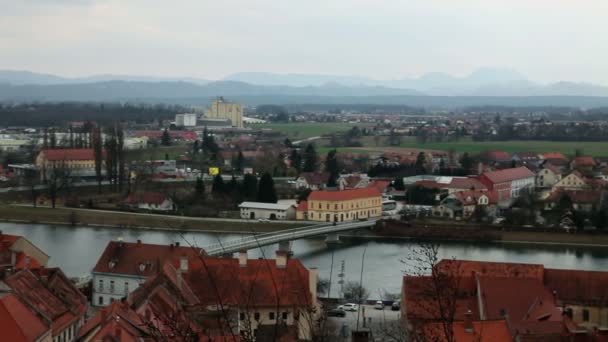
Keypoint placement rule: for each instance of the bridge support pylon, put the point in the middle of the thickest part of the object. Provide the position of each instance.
(332, 239)
(285, 246)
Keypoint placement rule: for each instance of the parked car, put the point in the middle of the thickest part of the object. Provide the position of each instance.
(396, 305)
(336, 312)
(349, 307)
(379, 305)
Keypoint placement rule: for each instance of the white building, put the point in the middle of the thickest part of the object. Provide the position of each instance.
(136, 143)
(123, 266)
(13, 145)
(269, 211)
(186, 119)
(149, 201)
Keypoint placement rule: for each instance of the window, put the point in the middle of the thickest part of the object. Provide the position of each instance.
(585, 315)
(285, 316)
(100, 287)
(271, 315)
(242, 316)
(111, 286)
(100, 300)
(256, 316)
(126, 287)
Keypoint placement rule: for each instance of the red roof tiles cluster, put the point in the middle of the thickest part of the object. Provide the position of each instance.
(18, 323)
(471, 197)
(16, 258)
(315, 178)
(344, 195)
(185, 135)
(530, 298)
(148, 197)
(115, 321)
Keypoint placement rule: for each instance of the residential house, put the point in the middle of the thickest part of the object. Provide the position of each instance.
(537, 304)
(302, 211)
(508, 183)
(240, 296)
(580, 200)
(312, 180)
(556, 158)
(123, 266)
(269, 211)
(548, 175)
(148, 201)
(353, 181)
(42, 304)
(449, 185)
(116, 322)
(13, 145)
(530, 159)
(16, 252)
(462, 204)
(583, 164)
(344, 205)
(574, 181)
(495, 156)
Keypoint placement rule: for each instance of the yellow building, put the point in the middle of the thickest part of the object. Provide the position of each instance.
(78, 162)
(340, 206)
(221, 109)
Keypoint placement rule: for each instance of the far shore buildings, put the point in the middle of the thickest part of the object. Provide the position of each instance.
(268, 211)
(76, 162)
(341, 206)
(222, 109)
(508, 183)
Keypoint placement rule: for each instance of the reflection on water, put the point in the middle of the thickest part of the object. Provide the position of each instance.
(76, 249)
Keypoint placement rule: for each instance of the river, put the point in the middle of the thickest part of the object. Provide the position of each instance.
(76, 250)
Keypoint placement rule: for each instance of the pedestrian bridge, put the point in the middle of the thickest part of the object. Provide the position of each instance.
(284, 236)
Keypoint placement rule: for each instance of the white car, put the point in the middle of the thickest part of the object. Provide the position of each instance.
(379, 305)
(349, 307)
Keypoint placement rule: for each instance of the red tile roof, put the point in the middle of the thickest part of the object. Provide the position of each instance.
(471, 197)
(578, 287)
(148, 197)
(379, 185)
(455, 183)
(18, 323)
(140, 259)
(583, 161)
(483, 331)
(497, 155)
(576, 196)
(344, 195)
(554, 155)
(492, 269)
(69, 154)
(508, 175)
(117, 316)
(315, 178)
(302, 206)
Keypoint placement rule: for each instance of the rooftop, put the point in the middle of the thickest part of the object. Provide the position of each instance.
(267, 206)
(344, 195)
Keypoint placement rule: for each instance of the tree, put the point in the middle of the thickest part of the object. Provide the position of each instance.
(218, 187)
(331, 166)
(59, 181)
(354, 292)
(310, 159)
(398, 184)
(98, 155)
(266, 190)
(165, 139)
(249, 187)
(240, 161)
(420, 163)
(296, 160)
(287, 143)
(200, 188)
(53, 139)
(466, 162)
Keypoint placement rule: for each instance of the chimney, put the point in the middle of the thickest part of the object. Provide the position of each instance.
(281, 259)
(468, 322)
(177, 244)
(138, 242)
(243, 258)
(183, 263)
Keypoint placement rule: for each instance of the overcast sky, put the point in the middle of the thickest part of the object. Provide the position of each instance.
(547, 40)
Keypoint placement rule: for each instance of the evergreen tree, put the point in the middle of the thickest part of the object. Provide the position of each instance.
(266, 190)
(287, 143)
(218, 186)
(331, 166)
(249, 186)
(195, 147)
(398, 184)
(166, 138)
(310, 159)
(200, 188)
(420, 163)
(296, 160)
(466, 162)
(53, 139)
(239, 163)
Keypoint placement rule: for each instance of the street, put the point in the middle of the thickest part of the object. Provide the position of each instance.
(384, 324)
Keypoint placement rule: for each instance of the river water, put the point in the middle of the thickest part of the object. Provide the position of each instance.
(76, 250)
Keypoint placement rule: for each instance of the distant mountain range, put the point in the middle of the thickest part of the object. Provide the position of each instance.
(484, 86)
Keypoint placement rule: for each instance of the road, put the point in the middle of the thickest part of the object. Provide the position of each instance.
(384, 324)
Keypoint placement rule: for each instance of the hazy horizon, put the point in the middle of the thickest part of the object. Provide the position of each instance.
(547, 41)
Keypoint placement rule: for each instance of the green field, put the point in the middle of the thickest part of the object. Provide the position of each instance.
(309, 129)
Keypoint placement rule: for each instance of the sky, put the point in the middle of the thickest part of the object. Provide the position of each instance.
(546, 40)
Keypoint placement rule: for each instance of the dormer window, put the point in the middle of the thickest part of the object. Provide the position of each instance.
(142, 267)
(111, 264)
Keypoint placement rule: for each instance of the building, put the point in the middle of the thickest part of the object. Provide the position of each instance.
(16, 252)
(584, 164)
(536, 303)
(462, 204)
(344, 205)
(312, 180)
(155, 168)
(148, 200)
(579, 200)
(221, 109)
(573, 181)
(20, 324)
(238, 296)
(353, 181)
(268, 211)
(447, 184)
(13, 145)
(115, 322)
(548, 175)
(175, 135)
(508, 183)
(186, 119)
(76, 162)
(136, 143)
(123, 266)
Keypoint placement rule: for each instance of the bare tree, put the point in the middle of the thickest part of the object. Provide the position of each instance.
(98, 154)
(59, 181)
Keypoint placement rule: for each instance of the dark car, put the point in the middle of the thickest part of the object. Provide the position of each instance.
(336, 312)
(396, 305)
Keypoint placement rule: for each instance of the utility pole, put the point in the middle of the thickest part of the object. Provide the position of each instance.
(341, 276)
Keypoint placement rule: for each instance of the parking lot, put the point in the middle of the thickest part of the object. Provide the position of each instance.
(382, 323)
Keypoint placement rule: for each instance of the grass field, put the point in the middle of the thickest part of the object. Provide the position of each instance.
(309, 129)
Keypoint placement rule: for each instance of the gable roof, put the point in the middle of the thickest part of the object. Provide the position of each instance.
(578, 287)
(554, 155)
(315, 178)
(471, 197)
(17, 322)
(267, 206)
(583, 161)
(116, 317)
(138, 259)
(344, 195)
(69, 154)
(508, 175)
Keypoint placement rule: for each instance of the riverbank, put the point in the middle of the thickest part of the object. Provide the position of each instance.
(459, 233)
(108, 219)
